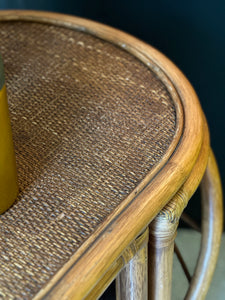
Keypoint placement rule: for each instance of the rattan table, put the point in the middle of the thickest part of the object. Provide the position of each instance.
(108, 134)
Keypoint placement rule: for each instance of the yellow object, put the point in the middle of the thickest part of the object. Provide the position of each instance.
(8, 176)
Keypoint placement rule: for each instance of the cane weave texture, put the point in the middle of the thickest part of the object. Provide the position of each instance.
(89, 122)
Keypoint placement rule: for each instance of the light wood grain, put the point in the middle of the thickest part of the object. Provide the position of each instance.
(132, 282)
(128, 254)
(174, 208)
(77, 278)
(160, 262)
(163, 230)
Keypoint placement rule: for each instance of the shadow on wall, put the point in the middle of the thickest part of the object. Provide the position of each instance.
(190, 33)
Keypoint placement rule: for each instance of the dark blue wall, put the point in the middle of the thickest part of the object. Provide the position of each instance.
(191, 33)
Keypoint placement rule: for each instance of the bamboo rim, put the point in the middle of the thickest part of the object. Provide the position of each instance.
(152, 195)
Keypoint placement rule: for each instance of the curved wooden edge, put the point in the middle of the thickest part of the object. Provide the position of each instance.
(212, 227)
(106, 245)
(163, 229)
(171, 213)
(174, 208)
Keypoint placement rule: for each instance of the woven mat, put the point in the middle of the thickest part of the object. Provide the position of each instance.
(89, 122)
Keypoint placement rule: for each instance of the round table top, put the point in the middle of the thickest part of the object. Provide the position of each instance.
(94, 122)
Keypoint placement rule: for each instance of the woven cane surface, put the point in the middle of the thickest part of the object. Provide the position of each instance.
(89, 122)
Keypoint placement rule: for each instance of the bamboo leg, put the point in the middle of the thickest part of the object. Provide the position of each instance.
(160, 262)
(135, 256)
(212, 225)
(132, 283)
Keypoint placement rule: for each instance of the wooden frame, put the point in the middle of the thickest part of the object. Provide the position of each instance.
(212, 228)
(92, 261)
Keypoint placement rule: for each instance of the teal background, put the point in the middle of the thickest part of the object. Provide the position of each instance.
(191, 33)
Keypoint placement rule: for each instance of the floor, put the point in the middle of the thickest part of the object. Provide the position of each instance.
(188, 242)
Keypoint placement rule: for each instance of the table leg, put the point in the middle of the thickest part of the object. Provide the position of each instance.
(212, 226)
(162, 233)
(132, 282)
